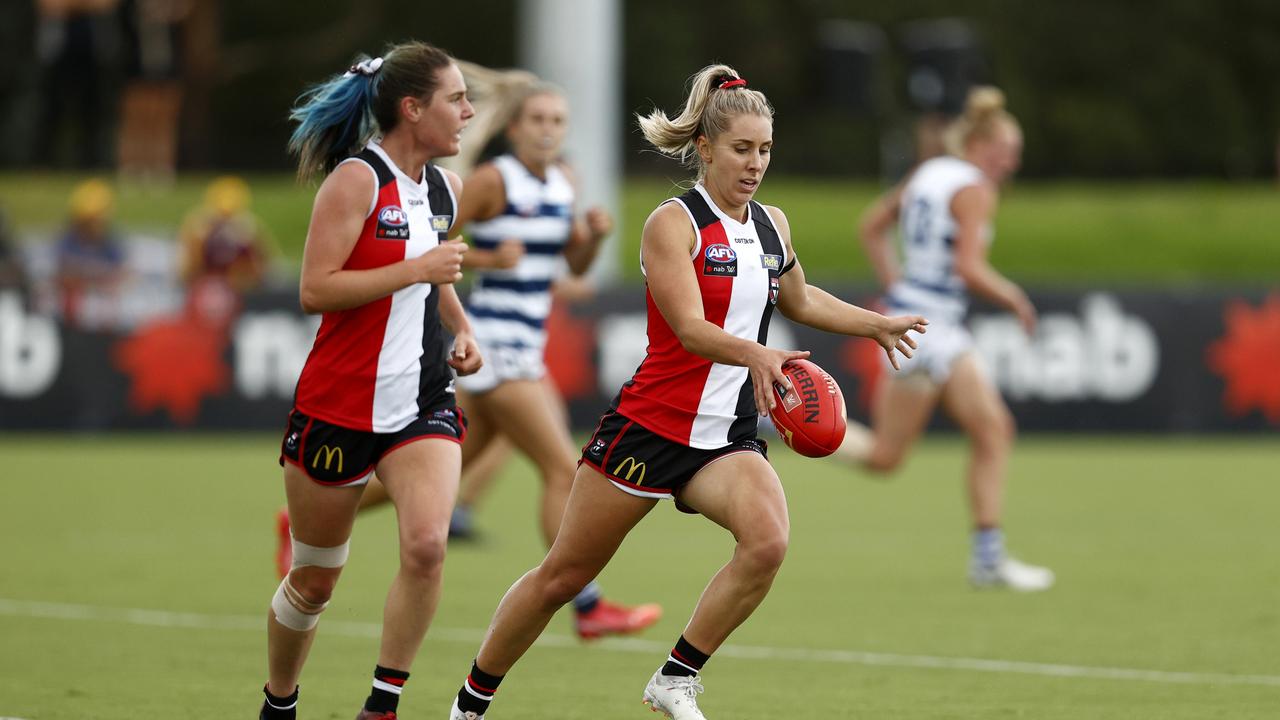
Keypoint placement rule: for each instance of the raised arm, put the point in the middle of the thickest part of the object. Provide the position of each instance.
(973, 207)
(666, 245)
(815, 307)
(341, 206)
(875, 230)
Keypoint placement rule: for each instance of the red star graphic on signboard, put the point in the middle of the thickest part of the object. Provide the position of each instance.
(173, 364)
(1247, 358)
(570, 344)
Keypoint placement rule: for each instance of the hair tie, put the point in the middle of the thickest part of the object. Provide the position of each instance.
(368, 67)
(732, 83)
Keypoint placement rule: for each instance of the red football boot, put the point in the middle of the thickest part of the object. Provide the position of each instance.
(608, 618)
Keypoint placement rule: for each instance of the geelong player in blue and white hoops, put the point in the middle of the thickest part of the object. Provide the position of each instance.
(944, 211)
(525, 234)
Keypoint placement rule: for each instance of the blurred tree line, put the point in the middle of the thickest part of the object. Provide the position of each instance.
(1103, 88)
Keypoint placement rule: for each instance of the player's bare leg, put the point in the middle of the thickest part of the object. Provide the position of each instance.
(974, 403)
(528, 413)
(520, 411)
(322, 518)
(742, 494)
(422, 480)
(597, 517)
(900, 411)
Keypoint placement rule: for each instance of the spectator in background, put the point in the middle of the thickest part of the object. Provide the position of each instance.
(89, 258)
(222, 238)
(152, 97)
(224, 250)
(77, 50)
(12, 274)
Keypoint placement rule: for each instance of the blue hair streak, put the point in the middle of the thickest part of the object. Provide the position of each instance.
(334, 118)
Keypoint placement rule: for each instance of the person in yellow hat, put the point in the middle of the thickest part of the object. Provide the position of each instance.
(222, 239)
(90, 259)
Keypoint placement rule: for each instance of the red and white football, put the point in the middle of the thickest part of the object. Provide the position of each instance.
(809, 415)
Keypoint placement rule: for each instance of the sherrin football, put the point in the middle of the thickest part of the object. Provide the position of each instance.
(809, 415)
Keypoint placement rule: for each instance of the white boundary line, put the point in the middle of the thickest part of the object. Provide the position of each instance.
(197, 621)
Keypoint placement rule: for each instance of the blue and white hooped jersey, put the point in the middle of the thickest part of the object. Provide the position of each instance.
(510, 307)
(929, 284)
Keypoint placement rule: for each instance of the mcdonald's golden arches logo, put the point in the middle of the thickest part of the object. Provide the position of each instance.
(633, 467)
(329, 454)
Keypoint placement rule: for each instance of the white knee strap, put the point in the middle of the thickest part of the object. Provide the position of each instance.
(291, 609)
(294, 611)
(330, 557)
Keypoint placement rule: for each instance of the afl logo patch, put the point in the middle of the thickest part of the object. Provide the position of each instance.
(393, 223)
(720, 260)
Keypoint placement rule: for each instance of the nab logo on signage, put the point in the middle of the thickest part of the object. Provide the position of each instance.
(721, 260)
(393, 224)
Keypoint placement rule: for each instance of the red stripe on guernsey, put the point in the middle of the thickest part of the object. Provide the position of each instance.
(480, 688)
(667, 388)
(338, 381)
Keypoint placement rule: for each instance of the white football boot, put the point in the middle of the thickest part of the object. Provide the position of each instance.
(1011, 574)
(674, 696)
(456, 714)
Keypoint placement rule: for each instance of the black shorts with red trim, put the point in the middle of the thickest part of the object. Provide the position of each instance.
(334, 455)
(642, 462)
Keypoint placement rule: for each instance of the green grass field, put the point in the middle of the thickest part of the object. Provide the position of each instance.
(138, 570)
(1056, 233)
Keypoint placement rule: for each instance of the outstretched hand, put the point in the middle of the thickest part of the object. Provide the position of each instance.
(893, 336)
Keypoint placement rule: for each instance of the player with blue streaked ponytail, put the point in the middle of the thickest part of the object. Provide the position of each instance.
(338, 116)
(376, 392)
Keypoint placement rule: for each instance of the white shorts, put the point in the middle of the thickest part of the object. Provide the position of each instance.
(503, 363)
(940, 347)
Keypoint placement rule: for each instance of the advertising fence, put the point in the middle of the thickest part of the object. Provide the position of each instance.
(1101, 361)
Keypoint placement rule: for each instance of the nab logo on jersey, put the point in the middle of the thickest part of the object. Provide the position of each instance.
(393, 224)
(720, 260)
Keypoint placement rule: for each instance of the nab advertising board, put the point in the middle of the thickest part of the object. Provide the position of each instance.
(1152, 361)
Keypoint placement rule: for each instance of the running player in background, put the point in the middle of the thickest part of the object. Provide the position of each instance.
(716, 263)
(520, 207)
(944, 211)
(376, 392)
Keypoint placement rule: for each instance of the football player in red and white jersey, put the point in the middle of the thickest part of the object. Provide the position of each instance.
(684, 427)
(377, 391)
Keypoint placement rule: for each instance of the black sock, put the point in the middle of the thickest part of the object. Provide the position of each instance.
(477, 692)
(685, 659)
(387, 684)
(279, 708)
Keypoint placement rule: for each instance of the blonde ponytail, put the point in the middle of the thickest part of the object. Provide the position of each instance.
(984, 113)
(717, 94)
